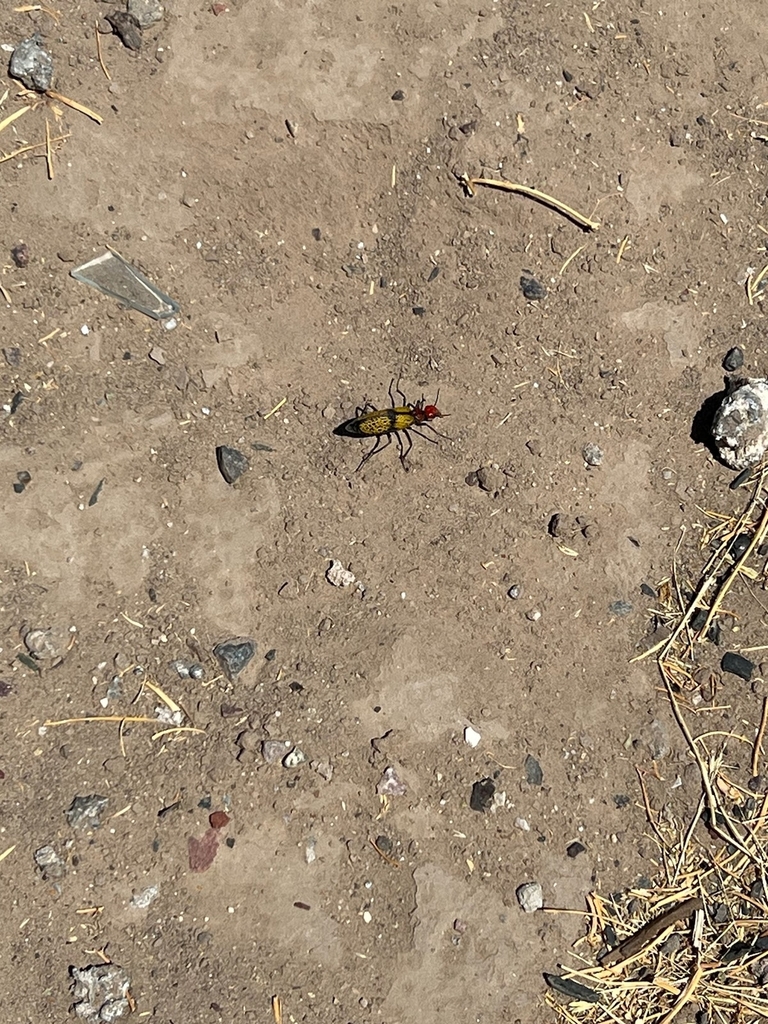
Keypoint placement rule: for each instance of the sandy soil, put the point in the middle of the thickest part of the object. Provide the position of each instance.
(256, 166)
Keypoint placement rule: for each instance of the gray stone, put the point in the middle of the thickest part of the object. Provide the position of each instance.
(32, 65)
(45, 643)
(740, 425)
(234, 654)
(142, 899)
(530, 896)
(146, 12)
(232, 463)
(100, 993)
(593, 454)
(275, 750)
(294, 758)
(51, 865)
(84, 811)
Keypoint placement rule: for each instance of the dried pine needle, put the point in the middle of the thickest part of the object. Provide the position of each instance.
(52, 94)
(13, 117)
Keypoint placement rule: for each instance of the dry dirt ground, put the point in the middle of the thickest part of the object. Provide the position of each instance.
(312, 266)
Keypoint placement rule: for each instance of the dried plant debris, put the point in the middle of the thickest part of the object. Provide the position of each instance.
(693, 946)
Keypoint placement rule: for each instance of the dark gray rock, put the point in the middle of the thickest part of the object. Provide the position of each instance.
(234, 655)
(32, 64)
(232, 463)
(532, 289)
(534, 776)
(127, 28)
(84, 811)
(734, 359)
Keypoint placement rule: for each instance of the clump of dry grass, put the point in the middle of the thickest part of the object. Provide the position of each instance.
(697, 942)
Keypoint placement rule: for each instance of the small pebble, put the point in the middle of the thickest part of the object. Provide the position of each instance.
(522, 824)
(234, 655)
(737, 665)
(127, 28)
(275, 750)
(398, 95)
(85, 811)
(20, 255)
(593, 454)
(471, 736)
(620, 608)
(141, 900)
(32, 64)
(734, 359)
(481, 798)
(533, 615)
(232, 463)
(534, 776)
(338, 576)
(390, 784)
(294, 758)
(532, 289)
(574, 849)
(515, 591)
(530, 896)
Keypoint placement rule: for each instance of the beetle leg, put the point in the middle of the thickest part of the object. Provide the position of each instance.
(430, 427)
(378, 447)
(399, 392)
(404, 452)
(424, 436)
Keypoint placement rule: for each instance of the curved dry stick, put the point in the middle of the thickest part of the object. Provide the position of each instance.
(532, 193)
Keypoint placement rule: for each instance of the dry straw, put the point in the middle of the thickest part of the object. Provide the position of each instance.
(695, 945)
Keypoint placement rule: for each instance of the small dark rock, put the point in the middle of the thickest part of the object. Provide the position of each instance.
(755, 784)
(398, 95)
(737, 665)
(532, 289)
(419, 311)
(739, 545)
(84, 811)
(621, 800)
(12, 356)
(482, 795)
(16, 401)
(620, 608)
(5, 688)
(647, 591)
(32, 65)
(234, 655)
(232, 463)
(384, 843)
(534, 776)
(574, 849)
(20, 255)
(734, 359)
(567, 76)
(515, 591)
(434, 272)
(127, 28)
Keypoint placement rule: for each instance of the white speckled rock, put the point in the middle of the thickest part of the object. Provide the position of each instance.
(740, 426)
